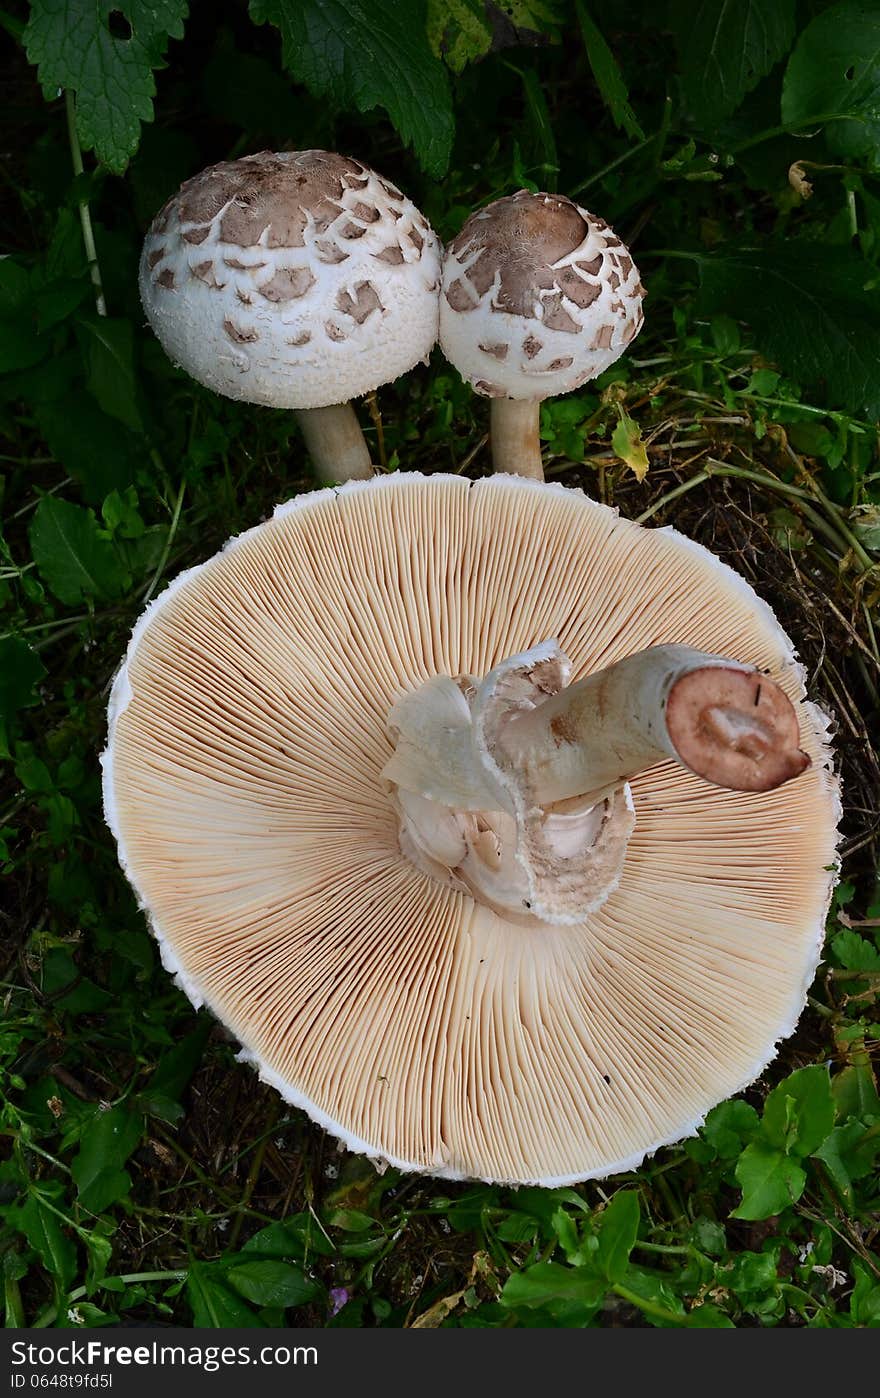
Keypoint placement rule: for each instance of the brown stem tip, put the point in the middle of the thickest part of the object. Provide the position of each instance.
(735, 728)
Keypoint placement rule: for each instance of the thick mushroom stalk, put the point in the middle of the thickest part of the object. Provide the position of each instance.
(516, 788)
(335, 442)
(537, 297)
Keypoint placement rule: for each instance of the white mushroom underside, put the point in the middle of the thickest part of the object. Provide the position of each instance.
(242, 780)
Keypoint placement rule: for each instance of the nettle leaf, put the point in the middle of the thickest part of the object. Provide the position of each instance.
(76, 46)
(458, 31)
(272, 1283)
(814, 309)
(74, 558)
(799, 1113)
(20, 669)
(609, 78)
(369, 55)
(835, 71)
(770, 1181)
(726, 48)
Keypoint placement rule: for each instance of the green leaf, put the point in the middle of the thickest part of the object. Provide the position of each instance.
(725, 47)
(215, 1305)
(20, 670)
(799, 1113)
(109, 356)
(458, 31)
(626, 442)
(73, 558)
(550, 1281)
(365, 54)
(297, 1236)
(351, 1220)
(814, 310)
(108, 1141)
(71, 42)
(729, 1126)
(177, 1066)
(835, 70)
(43, 1230)
(854, 952)
(609, 78)
(272, 1283)
(618, 1228)
(770, 1181)
(849, 1156)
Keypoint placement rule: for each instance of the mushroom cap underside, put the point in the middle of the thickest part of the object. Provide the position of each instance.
(242, 781)
(297, 280)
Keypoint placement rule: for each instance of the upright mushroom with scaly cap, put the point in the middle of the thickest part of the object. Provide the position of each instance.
(296, 280)
(537, 297)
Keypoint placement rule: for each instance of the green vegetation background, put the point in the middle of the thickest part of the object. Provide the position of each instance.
(145, 1176)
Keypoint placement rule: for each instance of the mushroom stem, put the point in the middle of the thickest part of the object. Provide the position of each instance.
(335, 443)
(726, 722)
(516, 445)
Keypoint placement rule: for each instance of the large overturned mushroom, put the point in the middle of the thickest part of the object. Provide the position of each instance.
(417, 783)
(537, 297)
(296, 280)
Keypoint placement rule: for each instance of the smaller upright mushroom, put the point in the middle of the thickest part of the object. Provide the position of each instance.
(537, 297)
(297, 280)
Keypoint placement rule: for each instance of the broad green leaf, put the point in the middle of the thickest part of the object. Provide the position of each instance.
(298, 1236)
(177, 1066)
(215, 1305)
(799, 1113)
(44, 1231)
(271, 1283)
(73, 558)
(864, 1301)
(112, 77)
(618, 1228)
(849, 1152)
(107, 1142)
(109, 353)
(551, 1281)
(770, 1180)
(458, 31)
(365, 54)
(609, 78)
(626, 442)
(814, 309)
(725, 47)
(854, 952)
(835, 71)
(20, 669)
(854, 1088)
(729, 1126)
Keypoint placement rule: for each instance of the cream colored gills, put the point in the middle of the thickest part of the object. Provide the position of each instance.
(414, 1019)
(297, 280)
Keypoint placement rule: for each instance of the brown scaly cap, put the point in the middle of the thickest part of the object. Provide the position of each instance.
(298, 279)
(538, 295)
